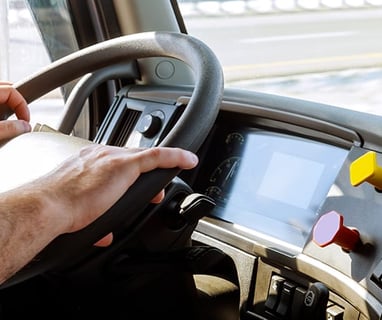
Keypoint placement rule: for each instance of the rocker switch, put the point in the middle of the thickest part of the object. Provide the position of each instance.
(286, 298)
(297, 303)
(315, 302)
(274, 292)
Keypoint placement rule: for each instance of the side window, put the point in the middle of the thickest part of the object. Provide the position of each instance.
(24, 53)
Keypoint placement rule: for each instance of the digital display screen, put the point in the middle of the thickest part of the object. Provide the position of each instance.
(275, 184)
(291, 180)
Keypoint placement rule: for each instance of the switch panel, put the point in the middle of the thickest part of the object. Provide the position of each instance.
(287, 299)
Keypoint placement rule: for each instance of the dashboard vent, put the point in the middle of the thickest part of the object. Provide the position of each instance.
(125, 127)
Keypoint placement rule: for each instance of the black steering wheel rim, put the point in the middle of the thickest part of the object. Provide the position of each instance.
(188, 133)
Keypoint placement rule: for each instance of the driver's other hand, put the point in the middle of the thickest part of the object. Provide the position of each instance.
(107, 240)
(87, 185)
(13, 99)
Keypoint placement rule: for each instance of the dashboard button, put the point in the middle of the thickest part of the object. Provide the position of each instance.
(274, 292)
(334, 312)
(330, 229)
(149, 125)
(366, 169)
(315, 302)
(297, 303)
(286, 298)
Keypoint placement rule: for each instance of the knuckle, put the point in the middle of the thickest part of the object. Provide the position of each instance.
(155, 153)
(10, 127)
(95, 151)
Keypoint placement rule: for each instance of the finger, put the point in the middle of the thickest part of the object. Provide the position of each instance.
(13, 128)
(13, 99)
(105, 241)
(159, 197)
(161, 157)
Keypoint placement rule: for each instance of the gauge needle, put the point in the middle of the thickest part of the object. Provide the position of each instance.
(230, 173)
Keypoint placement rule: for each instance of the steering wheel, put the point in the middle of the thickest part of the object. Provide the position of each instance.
(188, 133)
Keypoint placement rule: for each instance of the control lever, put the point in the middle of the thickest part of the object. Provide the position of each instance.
(195, 206)
(315, 302)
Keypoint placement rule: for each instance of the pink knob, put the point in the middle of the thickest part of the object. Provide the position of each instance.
(330, 229)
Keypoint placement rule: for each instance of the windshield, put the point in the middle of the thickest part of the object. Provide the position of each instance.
(325, 51)
(319, 50)
(26, 49)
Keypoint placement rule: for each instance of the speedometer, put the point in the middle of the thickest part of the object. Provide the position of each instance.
(222, 178)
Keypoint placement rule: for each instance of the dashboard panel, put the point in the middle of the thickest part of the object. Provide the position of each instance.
(270, 189)
(271, 186)
(270, 182)
(275, 166)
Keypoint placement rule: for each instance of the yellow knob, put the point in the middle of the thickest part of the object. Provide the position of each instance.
(366, 168)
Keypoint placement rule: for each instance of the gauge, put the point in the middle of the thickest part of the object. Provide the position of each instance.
(222, 177)
(234, 141)
(214, 192)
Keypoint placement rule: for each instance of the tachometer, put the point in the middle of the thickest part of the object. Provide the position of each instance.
(234, 141)
(222, 178)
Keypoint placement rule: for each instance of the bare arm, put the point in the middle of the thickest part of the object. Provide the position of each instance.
(72, 196)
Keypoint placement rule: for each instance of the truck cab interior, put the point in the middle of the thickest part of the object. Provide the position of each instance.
(279, 220)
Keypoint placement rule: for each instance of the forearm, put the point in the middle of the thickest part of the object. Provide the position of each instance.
(25, 229)
(72, 196)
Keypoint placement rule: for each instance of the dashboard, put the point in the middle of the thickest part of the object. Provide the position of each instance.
(273, 182)
(270, 182)
(275, 168)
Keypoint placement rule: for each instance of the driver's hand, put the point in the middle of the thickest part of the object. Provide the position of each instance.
(72, 196)
(14, 100)
(86, 186)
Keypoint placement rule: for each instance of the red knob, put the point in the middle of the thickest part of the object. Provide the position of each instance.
(330, 229)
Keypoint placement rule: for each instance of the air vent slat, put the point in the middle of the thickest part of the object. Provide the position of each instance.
(125, 127)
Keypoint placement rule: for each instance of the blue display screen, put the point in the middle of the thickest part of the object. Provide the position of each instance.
(276, 184)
